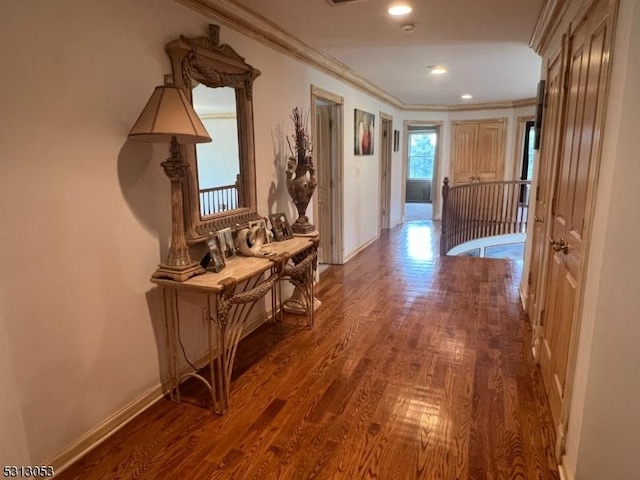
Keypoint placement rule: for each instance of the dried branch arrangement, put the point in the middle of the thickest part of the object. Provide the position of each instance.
(301, 149)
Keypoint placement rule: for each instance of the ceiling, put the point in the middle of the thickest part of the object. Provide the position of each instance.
(483, 43)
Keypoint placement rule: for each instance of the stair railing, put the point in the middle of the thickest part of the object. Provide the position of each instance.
(484, 209)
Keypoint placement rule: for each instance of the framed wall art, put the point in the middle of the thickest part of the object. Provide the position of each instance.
(396, 140)
(363, 132)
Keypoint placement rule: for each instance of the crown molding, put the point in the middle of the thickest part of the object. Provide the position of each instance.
(255, 26)
(263, 30)
(474, 106)
(548, 21)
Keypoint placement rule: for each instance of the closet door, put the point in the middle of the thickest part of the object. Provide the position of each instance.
(478, 150)
(463, 152)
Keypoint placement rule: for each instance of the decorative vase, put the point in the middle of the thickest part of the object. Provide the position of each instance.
(301, 183)
(301, 174)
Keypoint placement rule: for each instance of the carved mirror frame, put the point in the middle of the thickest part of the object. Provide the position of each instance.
(204, 60)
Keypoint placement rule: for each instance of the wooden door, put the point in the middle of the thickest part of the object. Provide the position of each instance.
(463, 152)
(385, 173)
(548, 152)
(490, 150)
(323, 165)
(577, 169)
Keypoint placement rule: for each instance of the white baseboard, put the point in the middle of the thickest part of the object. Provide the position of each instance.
(361, 248)
(565, 472)
(119, 419)
(111, 425)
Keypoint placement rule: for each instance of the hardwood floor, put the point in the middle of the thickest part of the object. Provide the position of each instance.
(418, 367)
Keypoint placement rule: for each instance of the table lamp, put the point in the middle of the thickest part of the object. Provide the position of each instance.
(169, 117)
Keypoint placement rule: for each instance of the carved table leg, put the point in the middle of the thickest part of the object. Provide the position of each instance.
(224, 330)
(230, 326)
(301, 275)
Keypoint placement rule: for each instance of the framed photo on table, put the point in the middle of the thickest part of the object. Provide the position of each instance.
(281, 227)
(216, 258)
(226, 242)
(262, 225)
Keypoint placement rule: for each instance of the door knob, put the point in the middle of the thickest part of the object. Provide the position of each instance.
(538, 219)
(559, 246)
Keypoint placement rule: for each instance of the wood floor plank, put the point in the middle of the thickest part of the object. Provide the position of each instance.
(418, 367)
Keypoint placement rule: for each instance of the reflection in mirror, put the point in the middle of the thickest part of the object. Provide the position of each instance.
(218, 162)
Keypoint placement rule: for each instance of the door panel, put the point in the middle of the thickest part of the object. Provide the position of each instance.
(491, 150)
(548, 153)
(464, 146)
(555, 351)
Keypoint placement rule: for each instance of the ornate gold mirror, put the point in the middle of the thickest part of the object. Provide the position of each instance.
(220, 187)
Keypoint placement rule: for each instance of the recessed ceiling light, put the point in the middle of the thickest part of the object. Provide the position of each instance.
(437, 70)
(466, 96)
(399, 9)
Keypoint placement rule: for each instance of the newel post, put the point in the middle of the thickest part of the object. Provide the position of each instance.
(443, 227)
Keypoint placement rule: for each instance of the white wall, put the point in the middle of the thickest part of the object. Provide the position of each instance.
(285, 84)
(85, 213)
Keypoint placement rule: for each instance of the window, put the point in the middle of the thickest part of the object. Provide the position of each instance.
(422, 151)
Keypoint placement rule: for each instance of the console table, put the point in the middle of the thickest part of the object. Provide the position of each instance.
(233, 292)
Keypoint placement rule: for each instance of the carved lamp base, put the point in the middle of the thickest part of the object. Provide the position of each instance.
(178, 274)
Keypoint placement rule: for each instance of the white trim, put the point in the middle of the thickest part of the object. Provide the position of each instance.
(104, 430)
(564, 471)
(361, 248)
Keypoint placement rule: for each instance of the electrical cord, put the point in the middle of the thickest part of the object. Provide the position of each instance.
(184, 352)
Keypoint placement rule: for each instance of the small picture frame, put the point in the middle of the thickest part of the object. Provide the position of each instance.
(262, 224)
(227, 244)
(216, 258)
(396, 140)
(281, 228)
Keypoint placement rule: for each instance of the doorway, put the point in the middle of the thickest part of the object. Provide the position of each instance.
(386, 135)
(326, 115)
(528, 155)
(422, 143)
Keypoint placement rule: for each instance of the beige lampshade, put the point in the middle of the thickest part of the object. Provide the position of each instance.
(168, 114)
